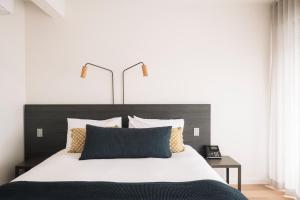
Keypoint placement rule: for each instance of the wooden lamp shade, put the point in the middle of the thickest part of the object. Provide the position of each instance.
(145, 70)
(83, 72)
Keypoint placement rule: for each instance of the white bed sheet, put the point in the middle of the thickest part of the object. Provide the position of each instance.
(181, 167)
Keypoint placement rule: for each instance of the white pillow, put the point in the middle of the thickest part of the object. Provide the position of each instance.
(134, 123)
(81, 123)
(138, 122)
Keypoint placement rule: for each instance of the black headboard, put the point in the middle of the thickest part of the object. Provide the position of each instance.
(52, 119)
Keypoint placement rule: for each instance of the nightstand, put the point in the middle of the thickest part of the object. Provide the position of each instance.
(26, 165)
(227, 162)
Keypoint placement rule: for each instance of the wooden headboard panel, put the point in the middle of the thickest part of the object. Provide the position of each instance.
(53, 120)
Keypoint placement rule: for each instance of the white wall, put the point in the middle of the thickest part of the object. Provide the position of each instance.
(197, 51)
(12, 87)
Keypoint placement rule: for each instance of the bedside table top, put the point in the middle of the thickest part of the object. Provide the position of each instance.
(225, 162)
(30, 163)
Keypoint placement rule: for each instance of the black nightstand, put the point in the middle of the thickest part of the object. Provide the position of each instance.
(26, 165)
(227, 162)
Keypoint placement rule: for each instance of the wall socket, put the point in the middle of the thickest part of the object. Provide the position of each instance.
(196, 132)
(39, 133)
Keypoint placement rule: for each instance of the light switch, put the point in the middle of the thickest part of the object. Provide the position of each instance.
(39, 133)
(196, 132)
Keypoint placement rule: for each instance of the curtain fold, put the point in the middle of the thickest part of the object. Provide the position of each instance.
(284, 140)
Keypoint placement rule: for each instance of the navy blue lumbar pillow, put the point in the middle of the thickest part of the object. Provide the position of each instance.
(105, 143)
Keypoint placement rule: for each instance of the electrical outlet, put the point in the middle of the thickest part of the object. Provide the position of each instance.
(39, 133)
(196, 132)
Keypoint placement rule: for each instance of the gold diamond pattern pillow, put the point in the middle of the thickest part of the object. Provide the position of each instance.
(176, 140)
(78, 140)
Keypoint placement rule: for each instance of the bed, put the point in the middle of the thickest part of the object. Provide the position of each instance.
(184, 176)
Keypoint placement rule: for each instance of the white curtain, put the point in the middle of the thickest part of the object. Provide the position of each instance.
(284, 141)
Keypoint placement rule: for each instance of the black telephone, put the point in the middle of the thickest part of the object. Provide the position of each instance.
(213, 152)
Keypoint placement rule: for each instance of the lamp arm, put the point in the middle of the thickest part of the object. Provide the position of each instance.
(123, 78)
(99, 67)
(132, 66)
(112, 78)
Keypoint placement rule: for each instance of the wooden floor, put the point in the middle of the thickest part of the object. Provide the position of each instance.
(261, 192)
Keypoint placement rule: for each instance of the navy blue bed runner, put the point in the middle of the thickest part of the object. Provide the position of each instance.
(194, 190)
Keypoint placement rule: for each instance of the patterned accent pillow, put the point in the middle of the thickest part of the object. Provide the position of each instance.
(78, 139)
(176, 140)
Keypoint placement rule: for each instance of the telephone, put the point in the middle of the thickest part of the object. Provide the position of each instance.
(213, 152)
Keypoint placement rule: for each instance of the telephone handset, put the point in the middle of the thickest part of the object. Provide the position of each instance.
(213, 152)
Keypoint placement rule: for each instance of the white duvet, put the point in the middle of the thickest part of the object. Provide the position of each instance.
(181, 167)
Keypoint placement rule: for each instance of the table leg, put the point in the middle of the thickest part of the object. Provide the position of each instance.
(239, 178)
(227, 175)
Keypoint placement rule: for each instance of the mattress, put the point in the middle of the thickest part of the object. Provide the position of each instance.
(181, 167)
(184, 176)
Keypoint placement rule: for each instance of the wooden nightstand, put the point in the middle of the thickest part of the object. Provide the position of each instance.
(227, 162)
(26, 165)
